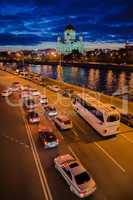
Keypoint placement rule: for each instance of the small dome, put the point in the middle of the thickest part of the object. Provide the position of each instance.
(69, 27)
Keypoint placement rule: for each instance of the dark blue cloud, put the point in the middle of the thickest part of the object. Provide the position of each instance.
(31, 22)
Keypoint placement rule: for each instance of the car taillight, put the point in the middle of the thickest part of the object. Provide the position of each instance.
(82, 194)
(57, 140)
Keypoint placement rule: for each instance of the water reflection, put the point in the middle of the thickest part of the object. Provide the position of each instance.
(106, 81)
(93, 78)
(131, 83)
(59, 73)
(110, 78)
(122, 83)
(74, 72)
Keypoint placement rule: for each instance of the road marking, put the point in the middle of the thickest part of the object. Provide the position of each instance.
(110, 157)
(128, 139)
(73, 153)
(81, 129)
(75, 133)
(11, 139)
(44, 183)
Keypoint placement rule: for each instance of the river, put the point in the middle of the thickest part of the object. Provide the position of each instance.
(110, 82)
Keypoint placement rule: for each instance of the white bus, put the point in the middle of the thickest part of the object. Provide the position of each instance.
(104, 119)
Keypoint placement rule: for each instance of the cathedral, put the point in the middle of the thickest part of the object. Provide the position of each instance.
(70, 43)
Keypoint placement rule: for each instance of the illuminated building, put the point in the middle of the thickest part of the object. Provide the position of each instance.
(70, 43)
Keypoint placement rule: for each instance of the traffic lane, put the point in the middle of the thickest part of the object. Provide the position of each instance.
(58, 186)
(111, 181)
(70, 140)
(98, 194)
(19, 178)
(120, 149)
(11, 123)
(56, 183)
(54, 96)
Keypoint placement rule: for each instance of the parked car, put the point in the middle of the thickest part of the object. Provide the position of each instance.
(77, 177)
(47, 138)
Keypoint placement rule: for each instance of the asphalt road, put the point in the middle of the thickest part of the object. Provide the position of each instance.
(108, 160)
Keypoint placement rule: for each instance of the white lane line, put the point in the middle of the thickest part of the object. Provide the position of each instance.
(81, 129)
(44, 183)
(75, 133)
(73, 153)
(110, 157)
(128, 139)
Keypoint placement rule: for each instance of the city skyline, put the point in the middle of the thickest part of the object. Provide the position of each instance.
(35, 24)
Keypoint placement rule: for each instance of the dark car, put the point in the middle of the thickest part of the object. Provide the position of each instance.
(47, 138)
(33, 117)
(67, 92)
(29, 103)
(127, 119)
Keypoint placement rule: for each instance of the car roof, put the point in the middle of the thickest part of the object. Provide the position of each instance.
(45, 129)
(63, 118)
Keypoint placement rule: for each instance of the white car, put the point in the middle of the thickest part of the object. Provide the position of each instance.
(35, 92)
(54, 88)
(43, 100)
(26, 94)
(13, 88)
(79, 180)
(63, 122)
(6, 93)
(50, 111)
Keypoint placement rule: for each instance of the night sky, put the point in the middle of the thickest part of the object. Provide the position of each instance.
(31, 22)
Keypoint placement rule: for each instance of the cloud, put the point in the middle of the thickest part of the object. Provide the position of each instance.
(31, 22)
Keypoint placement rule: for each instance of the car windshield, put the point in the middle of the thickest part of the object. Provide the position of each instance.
(82, 178)
(52, 109)
(33, 114)
(75, 164)
(113, 118)
(30, 102)
(67, 122)
(50, 138)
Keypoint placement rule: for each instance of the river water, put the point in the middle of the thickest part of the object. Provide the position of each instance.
(102, 80)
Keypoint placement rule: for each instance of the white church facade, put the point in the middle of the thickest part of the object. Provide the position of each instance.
(70, 43)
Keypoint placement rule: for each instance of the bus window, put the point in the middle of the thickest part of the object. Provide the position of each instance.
(99, 115)
(113, 118)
